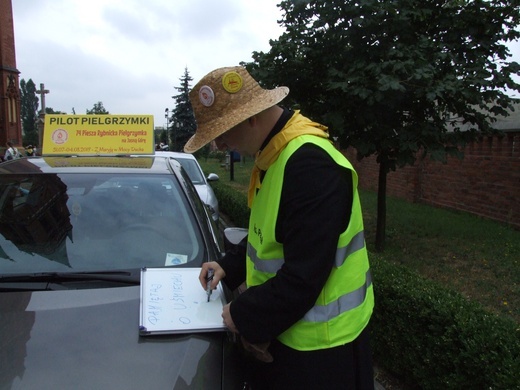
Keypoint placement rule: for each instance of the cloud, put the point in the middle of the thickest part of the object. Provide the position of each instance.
(129, 54)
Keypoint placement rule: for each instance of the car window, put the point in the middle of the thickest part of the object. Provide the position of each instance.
(85, 222)
(193, 170)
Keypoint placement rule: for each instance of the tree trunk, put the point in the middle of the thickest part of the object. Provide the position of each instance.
(381, 205)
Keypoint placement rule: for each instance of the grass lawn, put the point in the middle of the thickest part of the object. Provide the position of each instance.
(479, 258)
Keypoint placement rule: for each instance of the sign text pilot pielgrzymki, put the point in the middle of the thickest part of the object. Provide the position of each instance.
(99, 120)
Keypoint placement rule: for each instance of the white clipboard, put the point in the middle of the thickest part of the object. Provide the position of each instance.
(173, 301)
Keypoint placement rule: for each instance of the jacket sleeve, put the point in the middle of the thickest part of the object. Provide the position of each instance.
(234, 264)
(314, 209)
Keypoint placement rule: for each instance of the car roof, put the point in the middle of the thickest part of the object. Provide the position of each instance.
(176, 155)
(90, 164)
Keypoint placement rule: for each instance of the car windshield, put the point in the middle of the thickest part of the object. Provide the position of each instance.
(92, 222)
(193, 170)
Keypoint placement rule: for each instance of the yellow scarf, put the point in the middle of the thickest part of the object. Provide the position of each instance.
(296, 126)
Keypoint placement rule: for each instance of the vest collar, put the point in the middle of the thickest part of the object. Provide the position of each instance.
(295, 126)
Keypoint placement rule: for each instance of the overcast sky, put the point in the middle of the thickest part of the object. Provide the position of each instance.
(130, 54)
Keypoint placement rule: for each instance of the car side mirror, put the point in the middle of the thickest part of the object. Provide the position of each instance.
(213, 177)
(234, 237)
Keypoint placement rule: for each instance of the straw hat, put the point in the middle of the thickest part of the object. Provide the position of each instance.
(224, 98)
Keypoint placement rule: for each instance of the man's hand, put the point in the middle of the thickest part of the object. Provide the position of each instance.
(217, 275)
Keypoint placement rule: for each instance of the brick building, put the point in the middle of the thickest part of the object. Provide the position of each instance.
(10, 122)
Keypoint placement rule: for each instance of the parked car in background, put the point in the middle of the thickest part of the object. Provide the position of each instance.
(75, 233)
(202, 183)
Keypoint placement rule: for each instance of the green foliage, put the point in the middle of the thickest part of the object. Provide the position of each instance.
(399, 79)
(396, 77)
(233, 203)
(50, 110)
(163, 137)
(475, 256)
(435, 338)
(219, 155)
(182, 122)
(29, 107)
(97, 109)
(203, 153)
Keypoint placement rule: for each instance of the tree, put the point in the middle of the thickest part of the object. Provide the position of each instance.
(182, 121)
(97, 109)
(163, 137)
(29, 106)
(50, 110)
(401, 79)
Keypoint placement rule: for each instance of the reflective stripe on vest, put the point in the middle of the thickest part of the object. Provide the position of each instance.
(272, 265)
(342, 304)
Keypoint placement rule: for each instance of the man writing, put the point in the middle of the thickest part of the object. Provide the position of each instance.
(309, 294)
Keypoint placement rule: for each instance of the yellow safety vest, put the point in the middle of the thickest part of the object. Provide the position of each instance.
(345, 304)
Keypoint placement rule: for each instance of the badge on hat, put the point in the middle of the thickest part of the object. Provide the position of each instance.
(206, 96)
(232, 82)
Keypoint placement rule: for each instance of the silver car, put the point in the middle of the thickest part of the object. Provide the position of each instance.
(75, 233)
(192, 167)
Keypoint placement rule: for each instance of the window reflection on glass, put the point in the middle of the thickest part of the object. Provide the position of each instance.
(94, 222)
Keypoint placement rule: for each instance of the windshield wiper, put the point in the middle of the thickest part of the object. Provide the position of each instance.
(126, 277)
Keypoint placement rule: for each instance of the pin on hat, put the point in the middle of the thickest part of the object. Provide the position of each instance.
(224, 98)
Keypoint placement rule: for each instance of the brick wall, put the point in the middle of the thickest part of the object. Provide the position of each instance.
(10, 123)
(7, 49)
(485, 183)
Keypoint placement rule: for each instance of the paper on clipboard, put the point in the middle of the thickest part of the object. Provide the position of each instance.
(173, 301)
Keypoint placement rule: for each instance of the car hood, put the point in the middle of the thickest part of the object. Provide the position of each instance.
(89, 339)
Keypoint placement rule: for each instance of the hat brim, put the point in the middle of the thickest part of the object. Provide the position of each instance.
(207, 132)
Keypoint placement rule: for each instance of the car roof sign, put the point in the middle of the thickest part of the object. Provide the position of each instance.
(95, 135)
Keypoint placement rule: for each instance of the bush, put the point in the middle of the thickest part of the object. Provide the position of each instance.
(233, 203)
(435, 338)
(218, 155)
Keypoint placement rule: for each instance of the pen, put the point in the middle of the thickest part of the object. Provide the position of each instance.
(209, 278)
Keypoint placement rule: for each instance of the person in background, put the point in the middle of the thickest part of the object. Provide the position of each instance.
(11, 152)
(305, 312)
(29, 150)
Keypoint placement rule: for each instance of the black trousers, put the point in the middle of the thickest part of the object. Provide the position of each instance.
(345, 367)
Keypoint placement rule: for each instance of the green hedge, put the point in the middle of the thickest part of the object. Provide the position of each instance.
(435, 338)
(428, 336)
(233, 203)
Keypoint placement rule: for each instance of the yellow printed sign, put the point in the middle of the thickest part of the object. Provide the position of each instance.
(98, 135)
